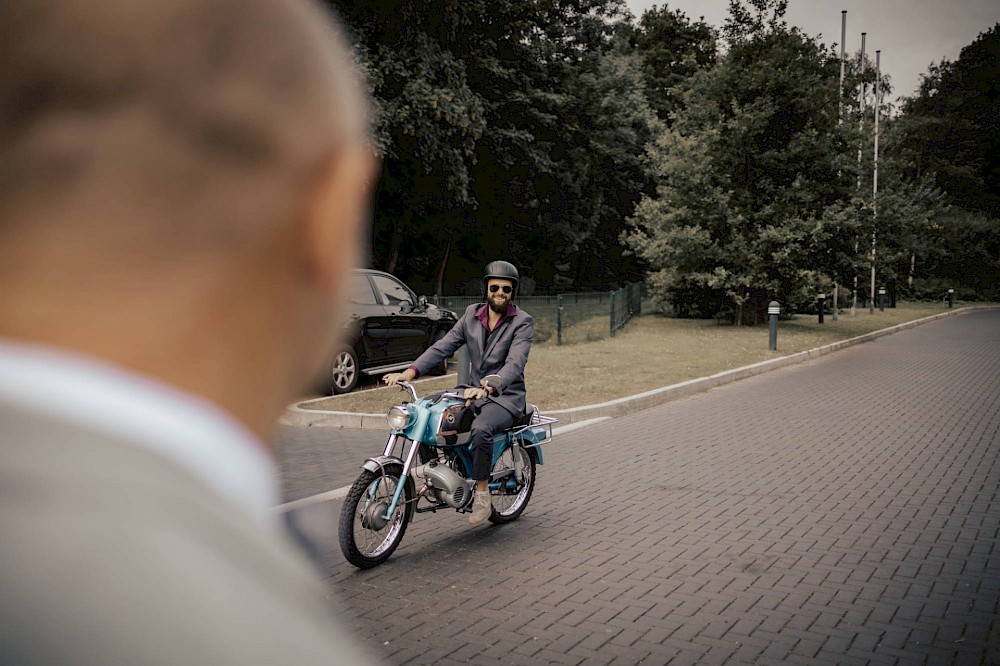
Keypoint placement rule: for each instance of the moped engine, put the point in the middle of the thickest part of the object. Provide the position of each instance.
(445, 484)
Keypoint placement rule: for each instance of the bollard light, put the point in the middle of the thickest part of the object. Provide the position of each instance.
(773, 310)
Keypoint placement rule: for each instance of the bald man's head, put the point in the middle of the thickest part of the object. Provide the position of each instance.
(183, 184)
(179, 124)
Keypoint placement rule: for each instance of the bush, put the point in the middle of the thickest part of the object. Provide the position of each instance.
(936, 290)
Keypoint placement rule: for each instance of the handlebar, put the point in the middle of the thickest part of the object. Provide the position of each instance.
(407, 386)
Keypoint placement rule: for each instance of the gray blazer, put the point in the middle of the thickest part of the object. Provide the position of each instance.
(111, 554)
(505, 354)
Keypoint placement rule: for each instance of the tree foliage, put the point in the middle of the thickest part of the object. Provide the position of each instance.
(946, 145)
(762, 194)
(509, 128)
(752, 175)
(591, 147)
(950, 128)
(672, 48)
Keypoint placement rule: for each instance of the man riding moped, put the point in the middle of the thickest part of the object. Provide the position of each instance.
(498, 336)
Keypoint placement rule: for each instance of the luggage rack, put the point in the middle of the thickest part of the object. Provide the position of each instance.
(541, 422)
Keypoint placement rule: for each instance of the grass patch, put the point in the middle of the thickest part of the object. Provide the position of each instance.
(651, 352)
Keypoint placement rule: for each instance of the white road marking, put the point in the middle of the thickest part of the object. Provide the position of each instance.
(341, 493)
(570, 427)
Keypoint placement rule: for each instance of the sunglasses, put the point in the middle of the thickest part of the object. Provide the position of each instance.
(494, 288)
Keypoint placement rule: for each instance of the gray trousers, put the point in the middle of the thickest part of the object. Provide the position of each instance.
(492, 418)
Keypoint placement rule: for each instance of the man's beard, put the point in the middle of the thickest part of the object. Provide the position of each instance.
(498, 308)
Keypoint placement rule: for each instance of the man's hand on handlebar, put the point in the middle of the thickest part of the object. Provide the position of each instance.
(476, 393)
(394, 378)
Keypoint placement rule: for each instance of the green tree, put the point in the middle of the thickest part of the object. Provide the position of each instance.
(505, 135)
(950, 128)
(756, 191)
(558, 162)
(428, 119)
(946, 142)
(672, 48)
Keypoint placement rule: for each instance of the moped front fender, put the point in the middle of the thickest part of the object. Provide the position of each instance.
(376, 464)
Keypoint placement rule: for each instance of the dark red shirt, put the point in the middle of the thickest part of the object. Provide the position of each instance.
(483, 315)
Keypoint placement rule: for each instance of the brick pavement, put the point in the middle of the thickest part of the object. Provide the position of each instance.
(313, 460)
(846, 510)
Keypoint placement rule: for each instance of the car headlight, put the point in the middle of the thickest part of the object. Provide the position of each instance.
(398, 417)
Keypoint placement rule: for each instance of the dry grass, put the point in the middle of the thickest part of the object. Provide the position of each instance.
(654, 351)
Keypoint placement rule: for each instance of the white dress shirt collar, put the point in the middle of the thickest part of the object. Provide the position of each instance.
(190, 431)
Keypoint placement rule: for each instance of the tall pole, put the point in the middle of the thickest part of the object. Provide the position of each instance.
(840, 121)
(878, 77)
(861, 126)
(843, 62)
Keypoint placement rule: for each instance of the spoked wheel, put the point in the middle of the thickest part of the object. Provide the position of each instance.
(517, 467)
(367, 537)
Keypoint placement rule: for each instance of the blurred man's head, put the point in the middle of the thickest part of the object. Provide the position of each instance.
(181, 182)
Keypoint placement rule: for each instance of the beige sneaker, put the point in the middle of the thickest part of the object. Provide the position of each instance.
(482, 507)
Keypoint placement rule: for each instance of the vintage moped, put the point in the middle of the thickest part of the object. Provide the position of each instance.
(424, 468)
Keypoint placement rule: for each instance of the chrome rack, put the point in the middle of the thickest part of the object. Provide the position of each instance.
(538, 421)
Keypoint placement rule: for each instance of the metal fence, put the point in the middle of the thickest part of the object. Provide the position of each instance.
(568, 318)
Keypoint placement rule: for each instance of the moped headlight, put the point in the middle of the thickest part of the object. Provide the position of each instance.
(398, 417)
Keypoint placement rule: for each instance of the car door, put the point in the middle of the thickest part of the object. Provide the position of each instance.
(369, 321)
(409, 328)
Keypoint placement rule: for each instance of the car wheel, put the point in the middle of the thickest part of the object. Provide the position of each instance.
(441, 368)
(344, 371)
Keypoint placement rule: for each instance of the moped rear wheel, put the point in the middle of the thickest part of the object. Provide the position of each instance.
(367, 537)
(510, 500)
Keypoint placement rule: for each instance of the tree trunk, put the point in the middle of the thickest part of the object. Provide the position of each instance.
(439, 283)
(397, 242)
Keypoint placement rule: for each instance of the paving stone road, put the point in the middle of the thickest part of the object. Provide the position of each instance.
(845, 510)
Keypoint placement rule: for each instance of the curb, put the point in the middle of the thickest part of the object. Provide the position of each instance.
(296, 415)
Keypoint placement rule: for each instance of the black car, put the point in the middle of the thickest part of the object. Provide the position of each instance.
(389, 328)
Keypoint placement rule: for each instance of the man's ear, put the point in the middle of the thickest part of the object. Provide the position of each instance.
(334, 215)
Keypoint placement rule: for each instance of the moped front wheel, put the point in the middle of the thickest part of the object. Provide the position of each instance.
(367, 536)
(516, 469)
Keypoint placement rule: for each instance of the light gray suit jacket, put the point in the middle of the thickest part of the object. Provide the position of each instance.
(504, 354)
(111, 554)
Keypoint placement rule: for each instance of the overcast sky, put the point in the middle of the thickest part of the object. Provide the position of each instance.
(910, 33)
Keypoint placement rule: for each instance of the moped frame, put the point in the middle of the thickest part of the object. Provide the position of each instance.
(537, 432)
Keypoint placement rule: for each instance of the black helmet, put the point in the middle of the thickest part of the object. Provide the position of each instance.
(503, 270)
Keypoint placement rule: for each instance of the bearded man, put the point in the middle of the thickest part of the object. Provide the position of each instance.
(498, 336)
